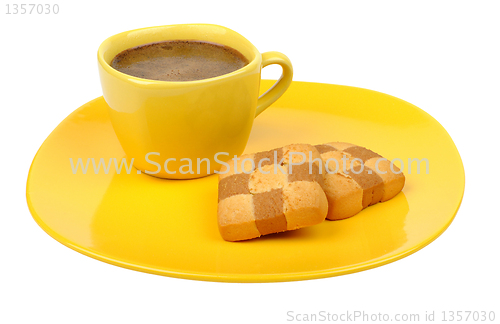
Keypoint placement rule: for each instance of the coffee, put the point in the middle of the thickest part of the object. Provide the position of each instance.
(179, 60)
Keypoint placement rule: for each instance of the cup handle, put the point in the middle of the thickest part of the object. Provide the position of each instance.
(281, 85)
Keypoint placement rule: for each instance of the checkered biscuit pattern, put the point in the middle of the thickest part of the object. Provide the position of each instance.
(264, 197)
(348, 192)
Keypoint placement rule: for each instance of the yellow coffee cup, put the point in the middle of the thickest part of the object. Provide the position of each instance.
(184, 130)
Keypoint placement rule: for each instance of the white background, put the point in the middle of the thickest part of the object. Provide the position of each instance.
(442, 56)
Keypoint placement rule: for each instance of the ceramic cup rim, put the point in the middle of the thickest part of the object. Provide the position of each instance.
(109, 44)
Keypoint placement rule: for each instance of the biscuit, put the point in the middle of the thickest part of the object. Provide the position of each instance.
(270, 192)
(356, 178)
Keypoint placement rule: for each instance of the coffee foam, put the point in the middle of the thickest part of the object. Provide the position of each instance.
(179, 60)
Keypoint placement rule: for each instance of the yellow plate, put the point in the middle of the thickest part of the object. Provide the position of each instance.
(169, 227)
